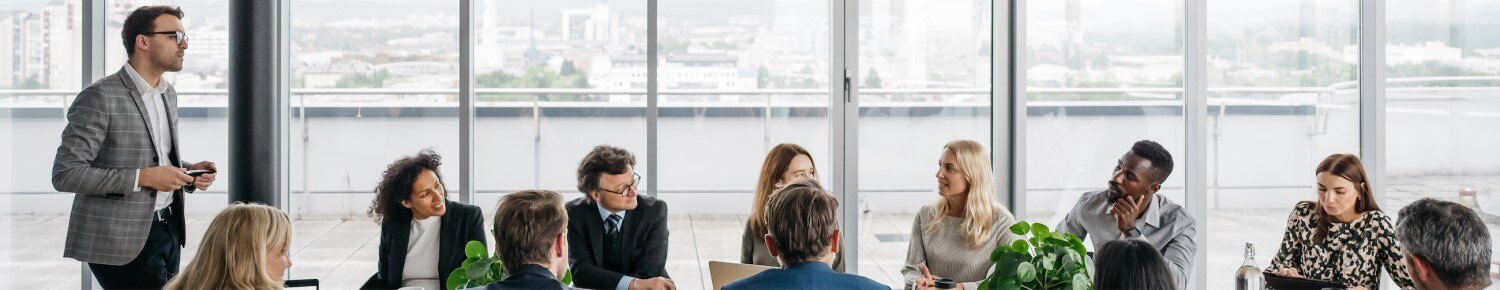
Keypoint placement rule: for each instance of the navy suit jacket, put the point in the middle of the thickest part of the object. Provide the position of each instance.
(809, 275)
(528, 277)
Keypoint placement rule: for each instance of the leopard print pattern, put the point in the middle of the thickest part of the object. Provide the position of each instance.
(1352, 253)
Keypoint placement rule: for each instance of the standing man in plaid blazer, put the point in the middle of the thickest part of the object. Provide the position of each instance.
(119, 157)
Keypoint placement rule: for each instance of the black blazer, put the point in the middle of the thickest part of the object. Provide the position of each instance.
(644, 233)
(461, 224)
(529, 277)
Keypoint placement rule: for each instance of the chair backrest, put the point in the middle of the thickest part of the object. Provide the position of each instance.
(724, 273)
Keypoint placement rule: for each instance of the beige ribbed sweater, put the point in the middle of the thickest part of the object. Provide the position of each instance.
(945, 253)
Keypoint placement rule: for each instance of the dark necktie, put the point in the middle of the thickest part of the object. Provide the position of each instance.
(612, 225)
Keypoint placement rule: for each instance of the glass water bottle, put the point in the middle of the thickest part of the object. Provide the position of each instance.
(1249, 277)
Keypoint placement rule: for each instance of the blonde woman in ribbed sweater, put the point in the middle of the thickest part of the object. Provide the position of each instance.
(952, 238)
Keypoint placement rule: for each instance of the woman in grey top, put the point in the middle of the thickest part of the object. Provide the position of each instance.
(953, 238)
(785, 164)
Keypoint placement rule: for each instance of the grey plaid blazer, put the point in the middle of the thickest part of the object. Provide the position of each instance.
(105, 141)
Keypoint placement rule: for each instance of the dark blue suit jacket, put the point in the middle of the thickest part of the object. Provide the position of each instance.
(810, 275)
(528, 277)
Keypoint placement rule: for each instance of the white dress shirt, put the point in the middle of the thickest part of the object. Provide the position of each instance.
(156, 112)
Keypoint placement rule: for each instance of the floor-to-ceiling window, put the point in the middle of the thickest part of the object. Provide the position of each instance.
(371, 83)
(1283, 95)
(735, 79)
(1100, 75)
(924, 80)
(38, 80)
(1442, 105)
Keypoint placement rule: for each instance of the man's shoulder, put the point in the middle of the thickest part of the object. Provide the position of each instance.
(1174, 214)
(645, 203)
(780, 278)
(577, 203)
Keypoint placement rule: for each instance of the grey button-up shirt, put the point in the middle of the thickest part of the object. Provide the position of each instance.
(1165, 225)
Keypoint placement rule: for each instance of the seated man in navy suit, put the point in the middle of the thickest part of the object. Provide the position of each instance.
(802, 233)
(531, 237)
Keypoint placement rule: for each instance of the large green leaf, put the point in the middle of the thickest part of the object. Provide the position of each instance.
(1039, 229)
(1020, 246)
(1025, 272)
(478, 270)
(1082, 282)
(457, 279)
(475, 249)
(1020, 228)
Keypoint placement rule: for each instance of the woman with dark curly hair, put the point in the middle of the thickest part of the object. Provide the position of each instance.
(422, 233)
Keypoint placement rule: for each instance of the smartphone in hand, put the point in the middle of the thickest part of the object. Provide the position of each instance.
(196, 173)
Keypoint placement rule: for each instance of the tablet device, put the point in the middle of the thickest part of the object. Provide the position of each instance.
(1279, 282)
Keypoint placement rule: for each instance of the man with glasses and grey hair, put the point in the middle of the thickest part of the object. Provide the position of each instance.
(1447, 245)
(617, 236)
(119, 157)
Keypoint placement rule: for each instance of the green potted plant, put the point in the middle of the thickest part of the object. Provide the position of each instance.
(1042, 259)
(479, 269)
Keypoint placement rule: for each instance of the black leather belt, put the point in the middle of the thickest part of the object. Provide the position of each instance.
(162, 214)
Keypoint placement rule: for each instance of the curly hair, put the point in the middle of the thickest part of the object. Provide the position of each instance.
(395, 185)
(603, 159)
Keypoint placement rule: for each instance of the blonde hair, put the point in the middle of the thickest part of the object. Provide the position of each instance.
(777, 162)
(234, 249)
(981, 211)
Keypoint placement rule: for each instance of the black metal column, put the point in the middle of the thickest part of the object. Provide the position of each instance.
(254, 102)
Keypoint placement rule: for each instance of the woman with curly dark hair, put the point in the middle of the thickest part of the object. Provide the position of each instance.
(422, 233)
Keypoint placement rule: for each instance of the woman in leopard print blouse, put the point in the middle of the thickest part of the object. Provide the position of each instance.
(1343, 236)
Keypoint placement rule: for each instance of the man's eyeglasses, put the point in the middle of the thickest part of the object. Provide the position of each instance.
(632, 185)
(178, 36)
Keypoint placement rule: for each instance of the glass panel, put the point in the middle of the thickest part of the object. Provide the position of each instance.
(736, 79)
(1442, 60)
(924, 80)
(1283, 96)
(37, 83)
(373, 83)
(1102, 75)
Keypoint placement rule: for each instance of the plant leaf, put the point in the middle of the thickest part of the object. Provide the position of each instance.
(1049, 262)
(1020, 246)
(1020, 228)
(456, 279)
(1081, 282)
(1039, 229)
(475, 249)
(478, 270)
(1025, 272)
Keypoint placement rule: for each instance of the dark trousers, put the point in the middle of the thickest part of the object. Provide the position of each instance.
(152, 268)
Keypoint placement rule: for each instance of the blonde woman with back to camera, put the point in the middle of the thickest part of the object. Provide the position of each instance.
(245, 247)
(952, 238)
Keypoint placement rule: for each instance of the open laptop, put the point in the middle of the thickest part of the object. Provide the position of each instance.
(724, 273)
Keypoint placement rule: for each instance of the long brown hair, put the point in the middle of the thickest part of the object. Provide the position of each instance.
(1348, 167)
(777, 162)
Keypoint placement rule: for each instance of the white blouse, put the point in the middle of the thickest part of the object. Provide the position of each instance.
(422, 255)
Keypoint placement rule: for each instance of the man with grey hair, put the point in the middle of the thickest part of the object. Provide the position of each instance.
(1447, 246)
